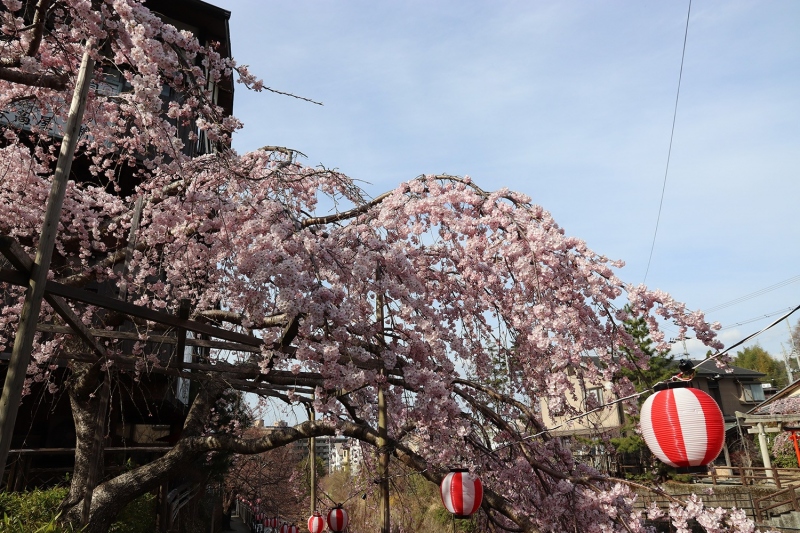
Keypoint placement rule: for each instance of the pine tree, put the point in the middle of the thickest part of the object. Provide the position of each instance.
(660, 366)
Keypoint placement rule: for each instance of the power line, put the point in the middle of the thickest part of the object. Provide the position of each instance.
(671, 137)
(753, 294)
(761, 317)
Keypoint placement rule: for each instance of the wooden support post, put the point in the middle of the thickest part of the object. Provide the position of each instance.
(383, 460)
(383, 441)
(312, 463)
(23, 342)
(183, 313)
(135, 221)
(11, 473)
(21, 479)
(727, 454)
(762, 441)
(163, 507)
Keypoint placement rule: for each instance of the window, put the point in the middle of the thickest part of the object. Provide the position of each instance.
(594, 397)
(752, 392)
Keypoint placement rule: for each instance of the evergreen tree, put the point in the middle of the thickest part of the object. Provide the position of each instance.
(758, 359)
(660, 366)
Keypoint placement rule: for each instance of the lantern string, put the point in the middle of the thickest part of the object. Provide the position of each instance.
(680, 376)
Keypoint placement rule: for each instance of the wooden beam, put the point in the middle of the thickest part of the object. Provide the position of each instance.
(80, 295)
(748, 419)
(20, 260)
(771, 429)
(276, 381)
(183, 312)
(159, 339)
(53, 451)
(374, 364)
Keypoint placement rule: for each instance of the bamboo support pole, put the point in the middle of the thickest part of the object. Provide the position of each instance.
(23, 343)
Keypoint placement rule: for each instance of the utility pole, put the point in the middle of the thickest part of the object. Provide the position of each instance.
(786, 364)
(23, 342)
(383, 457)
(383, 433)
(794, 353)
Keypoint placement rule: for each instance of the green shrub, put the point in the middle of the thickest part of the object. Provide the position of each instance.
(681, 478)
(37, 512)
(139, 516)
(34, 509)
(15, 525)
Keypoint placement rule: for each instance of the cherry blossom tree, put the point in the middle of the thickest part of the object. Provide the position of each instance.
(301, 256)
(269, 479)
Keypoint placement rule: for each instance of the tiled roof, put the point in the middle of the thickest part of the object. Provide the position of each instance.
(710, 369)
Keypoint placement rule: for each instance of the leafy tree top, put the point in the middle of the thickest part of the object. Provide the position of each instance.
(757, 358)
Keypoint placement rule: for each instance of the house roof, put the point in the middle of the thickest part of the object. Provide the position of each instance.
(710, 370)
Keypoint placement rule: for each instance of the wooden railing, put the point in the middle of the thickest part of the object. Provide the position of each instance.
(780, 477)
(178, 498)
(786, 499)
(20, 474)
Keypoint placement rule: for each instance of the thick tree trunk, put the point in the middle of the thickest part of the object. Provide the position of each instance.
(110, 497)
(84, 413)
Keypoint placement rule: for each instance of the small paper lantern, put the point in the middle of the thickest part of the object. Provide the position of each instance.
(274, 522)
(316, 524)
(683, 427)
(285, 528)
(337, 519)
(462, 493)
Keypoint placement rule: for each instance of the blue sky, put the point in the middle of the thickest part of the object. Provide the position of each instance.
(570, 103)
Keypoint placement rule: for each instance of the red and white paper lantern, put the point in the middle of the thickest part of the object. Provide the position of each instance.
(462, 493)
(683, 427)
(316, 524)
(284, 528)
(273, 522)
(337, 519)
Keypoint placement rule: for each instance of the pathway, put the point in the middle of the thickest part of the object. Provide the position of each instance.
(238, 526)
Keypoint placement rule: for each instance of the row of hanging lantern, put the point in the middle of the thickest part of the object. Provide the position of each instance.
(682, 426)
(337, 521)
(259, 521)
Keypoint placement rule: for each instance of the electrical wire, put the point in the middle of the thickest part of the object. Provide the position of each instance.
(756, 319)
(752, 295)
(671, 137)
